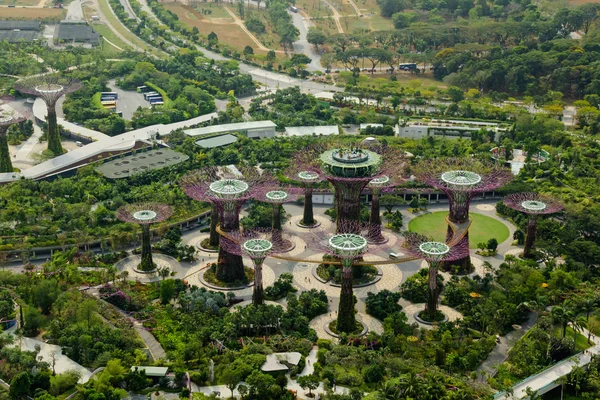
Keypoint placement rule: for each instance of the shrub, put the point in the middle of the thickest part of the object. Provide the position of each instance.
(382, 304)
(281, 287)
(255, 25)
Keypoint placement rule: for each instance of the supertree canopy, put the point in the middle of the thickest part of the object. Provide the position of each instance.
(532, 204)
(348, 248)
(461, 180)
(349, 170)
(257, 245)
(50, 88)
(436, 254)
(228, 196)
(8, 117)
(145, 214)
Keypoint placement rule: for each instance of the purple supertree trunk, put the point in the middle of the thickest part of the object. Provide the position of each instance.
(530, 238)
(433, 291)
(347, 199)
(460, 202)
(308, 218)
(230, 266)
(375, 217)
(213, 239)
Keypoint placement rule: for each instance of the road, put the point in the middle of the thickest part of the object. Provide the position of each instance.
(302, 46)
(75, 11)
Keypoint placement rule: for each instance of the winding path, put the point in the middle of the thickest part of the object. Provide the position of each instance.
(336, 16)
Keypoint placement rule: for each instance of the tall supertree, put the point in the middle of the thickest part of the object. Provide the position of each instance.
(308, 179)
(228, 196)
(257, 245)
(376, 185)
(532, 204)
(50, 88)
(145, 214)
(8, 117)
(349, 170)
(436, 254)
(461, 179)
(348, 248)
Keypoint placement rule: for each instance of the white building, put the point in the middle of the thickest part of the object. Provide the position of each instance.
(326, 130)
(252, 129)
(451, 129)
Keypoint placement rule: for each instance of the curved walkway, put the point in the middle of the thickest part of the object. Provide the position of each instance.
(336, 16)
(545, 381)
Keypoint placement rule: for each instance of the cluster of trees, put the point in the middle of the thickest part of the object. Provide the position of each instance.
(282, 23)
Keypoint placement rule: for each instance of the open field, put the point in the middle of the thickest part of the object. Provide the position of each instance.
(379, 80)
(228, 33)
(20, 2)
(211, 11)
(269, 39)
(33, 13)
(326, 25)
(482, 229)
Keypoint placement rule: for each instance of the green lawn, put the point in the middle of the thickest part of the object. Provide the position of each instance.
(482, 229)
(581, 342)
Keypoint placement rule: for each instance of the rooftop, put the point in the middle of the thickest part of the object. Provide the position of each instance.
(141, 162)
(277, 361)
(69, 31)
(312, 130)
(217, 141)
(29, 25)
(12, 36)
(241, 126)
(151, 371)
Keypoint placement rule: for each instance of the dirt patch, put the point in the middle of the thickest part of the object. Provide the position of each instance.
(32, 13)
(228, 33)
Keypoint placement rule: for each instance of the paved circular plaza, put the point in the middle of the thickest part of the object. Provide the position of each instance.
(268, 280)
(410, 309)
(131, 263)
(304, 280)
(318, 324)
(292, 224)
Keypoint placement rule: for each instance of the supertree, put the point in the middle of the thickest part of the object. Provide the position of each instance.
(461, 179)
(349, 170)
(228, 196)
(50, 88)
(348, 248)
(276, 198)
(532, 204)
(257, 244)
(436, 254)
(8, 117)
(308, 179)
(376, 185)
(145, 214)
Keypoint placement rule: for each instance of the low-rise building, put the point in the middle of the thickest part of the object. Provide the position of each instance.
(251, 129)
(326, 130)
(453, 129)
(19, 31)
(76, 32)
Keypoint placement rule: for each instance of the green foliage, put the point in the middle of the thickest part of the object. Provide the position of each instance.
(167, 290)
(383, 304)
(281, 287)
(255, 25)
(415, 288)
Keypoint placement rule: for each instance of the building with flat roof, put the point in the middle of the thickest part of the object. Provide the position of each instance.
(217, 141)
(326, 130)
(155, 372)
(251, 129)
(76, 32)
(452, 129)
(19, 31)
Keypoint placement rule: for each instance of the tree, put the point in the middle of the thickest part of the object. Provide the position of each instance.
(86, 311)
(402, 20)
(455, 93)
(315, 37)
(243, 390)
(492, 244)
(213, 39)
(310, 382)
(45, 293)
(248, 50)
(260, 384)
(167, 289)
(20, 386)
(231, 378)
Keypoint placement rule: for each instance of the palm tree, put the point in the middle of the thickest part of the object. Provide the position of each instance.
(578, 324)
(562, 381)
(562, 316)
(409, 385)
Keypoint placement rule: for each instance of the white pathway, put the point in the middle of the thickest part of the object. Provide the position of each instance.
(545, 380)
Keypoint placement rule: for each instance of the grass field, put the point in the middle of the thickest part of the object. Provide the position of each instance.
(20, 2)
(581, 342)
(211, 11)
(33, 13)
(326, 25)
(116, 24)
(228, 33)
(269, 39)
(482, 229)
(382, 80)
